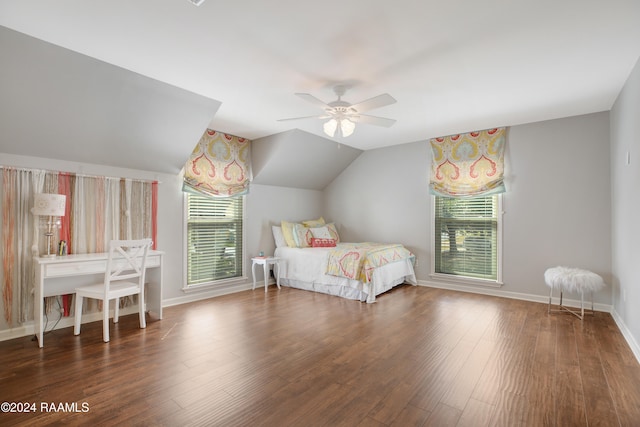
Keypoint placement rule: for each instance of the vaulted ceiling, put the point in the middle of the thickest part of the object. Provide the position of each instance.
(57, 104)
(451, 66)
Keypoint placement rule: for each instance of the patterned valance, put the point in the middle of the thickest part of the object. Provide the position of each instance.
(220, 166)
(468, 165)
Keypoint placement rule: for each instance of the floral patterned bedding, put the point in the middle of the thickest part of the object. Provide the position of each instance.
(359, 260)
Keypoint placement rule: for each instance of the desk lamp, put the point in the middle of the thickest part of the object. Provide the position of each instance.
(49, 205)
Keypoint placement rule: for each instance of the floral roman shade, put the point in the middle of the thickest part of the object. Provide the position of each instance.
(220, 166)
(468, 165)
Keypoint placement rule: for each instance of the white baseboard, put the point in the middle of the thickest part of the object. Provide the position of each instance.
(607, 308)
(28, 328)
(206, 294)
(18, 331)
(626, 333)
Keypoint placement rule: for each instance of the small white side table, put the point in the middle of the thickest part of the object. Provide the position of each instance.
(265, 262)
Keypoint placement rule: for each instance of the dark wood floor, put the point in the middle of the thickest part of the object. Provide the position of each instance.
(417, 357)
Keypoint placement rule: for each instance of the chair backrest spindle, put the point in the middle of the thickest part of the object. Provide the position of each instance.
(127, 260)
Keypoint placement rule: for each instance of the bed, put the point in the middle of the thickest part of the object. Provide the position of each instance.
(357, 271)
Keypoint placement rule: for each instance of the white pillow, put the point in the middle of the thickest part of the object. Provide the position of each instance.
(278, 237)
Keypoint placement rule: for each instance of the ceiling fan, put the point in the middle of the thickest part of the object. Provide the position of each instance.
(343, 116)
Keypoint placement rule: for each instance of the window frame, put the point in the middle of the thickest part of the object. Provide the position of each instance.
(218, 283)
(468, 280)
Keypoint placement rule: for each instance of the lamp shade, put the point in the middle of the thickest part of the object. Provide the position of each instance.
(46, 204)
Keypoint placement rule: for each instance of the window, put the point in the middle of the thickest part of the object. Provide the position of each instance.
(214, 238)
(467, 237)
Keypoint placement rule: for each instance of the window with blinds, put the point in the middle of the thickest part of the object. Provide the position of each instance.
(466, 237)
(214, 238)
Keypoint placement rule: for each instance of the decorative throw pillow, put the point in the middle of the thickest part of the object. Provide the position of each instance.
(278, 236)
(322, 243)
(333, 231)
(302, 236)
(313, 222)
(321, 233)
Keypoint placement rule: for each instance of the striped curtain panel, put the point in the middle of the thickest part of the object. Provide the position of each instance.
(220, 166)
(468, 165)
(98, 209)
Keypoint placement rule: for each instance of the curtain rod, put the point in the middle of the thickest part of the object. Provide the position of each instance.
(81, 175)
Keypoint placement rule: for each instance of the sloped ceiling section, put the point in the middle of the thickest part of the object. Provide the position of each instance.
(63, 105)
(299, 159)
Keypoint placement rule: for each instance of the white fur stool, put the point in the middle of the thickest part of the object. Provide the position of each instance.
(572, 280)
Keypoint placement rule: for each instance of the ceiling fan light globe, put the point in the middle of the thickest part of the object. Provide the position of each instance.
(347, 127)
(330, 127)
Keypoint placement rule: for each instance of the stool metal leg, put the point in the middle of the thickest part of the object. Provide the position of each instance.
(563, 308)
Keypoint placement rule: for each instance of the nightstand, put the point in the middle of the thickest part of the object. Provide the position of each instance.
(266, 261)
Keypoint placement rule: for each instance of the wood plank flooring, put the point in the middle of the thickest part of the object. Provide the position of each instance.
(417, 357)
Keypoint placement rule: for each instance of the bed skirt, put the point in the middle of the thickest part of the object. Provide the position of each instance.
(384, 278)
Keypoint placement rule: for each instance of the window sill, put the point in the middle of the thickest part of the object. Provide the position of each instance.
(218, 284)
(465, 280)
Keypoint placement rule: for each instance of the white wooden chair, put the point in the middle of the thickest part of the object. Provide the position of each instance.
(124, 276)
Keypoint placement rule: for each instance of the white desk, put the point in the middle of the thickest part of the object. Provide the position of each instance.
(61, 275)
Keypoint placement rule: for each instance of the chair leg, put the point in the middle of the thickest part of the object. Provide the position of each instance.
(105, 321)
(77, 315)
(116, 310)
(143, 321)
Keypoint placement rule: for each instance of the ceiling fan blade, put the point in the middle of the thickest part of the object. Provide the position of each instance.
(312, 99)
(372, 120)
(373, 103)
(322, 116)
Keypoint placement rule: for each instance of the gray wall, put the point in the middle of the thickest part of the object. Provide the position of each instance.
(268, 206)
(383, 196)
(625, 204)
(557, 205)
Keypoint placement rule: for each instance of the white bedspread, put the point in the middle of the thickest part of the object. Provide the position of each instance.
(304, 268)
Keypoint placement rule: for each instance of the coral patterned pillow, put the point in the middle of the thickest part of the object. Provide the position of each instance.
(322, 243)
(302, 236)
(321, 233)
(333, 231)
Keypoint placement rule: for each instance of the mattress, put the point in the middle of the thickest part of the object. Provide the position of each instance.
(305, 268)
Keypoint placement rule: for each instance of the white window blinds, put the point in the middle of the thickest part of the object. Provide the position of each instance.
(214, 238)
(466, 237)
